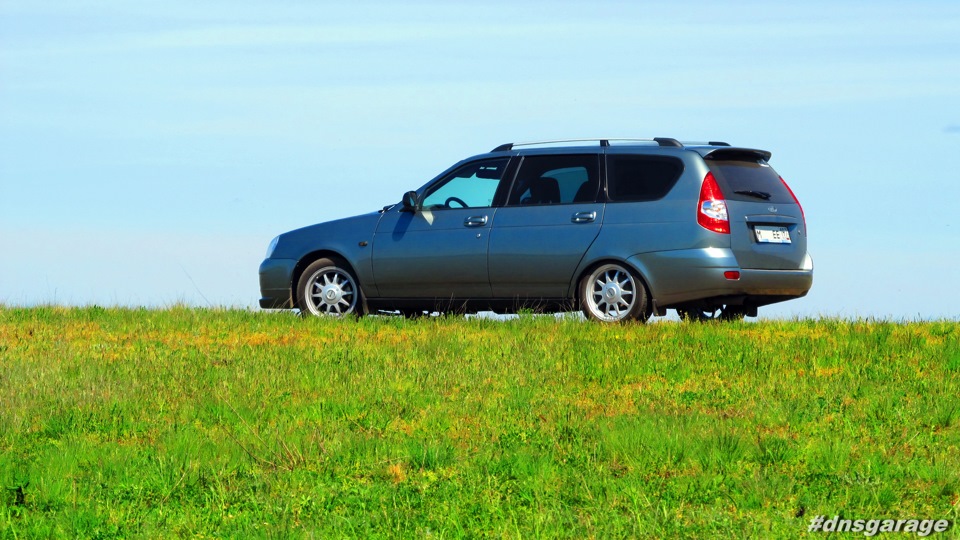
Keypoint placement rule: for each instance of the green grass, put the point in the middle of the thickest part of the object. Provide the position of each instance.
(204, 423)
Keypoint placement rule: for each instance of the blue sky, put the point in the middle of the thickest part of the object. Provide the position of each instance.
(149, 151)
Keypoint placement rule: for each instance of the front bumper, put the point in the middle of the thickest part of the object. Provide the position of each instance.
(276, 283)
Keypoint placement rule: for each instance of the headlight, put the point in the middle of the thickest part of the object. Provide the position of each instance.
(272, 246)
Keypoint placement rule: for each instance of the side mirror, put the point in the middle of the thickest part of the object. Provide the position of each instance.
(410, 202)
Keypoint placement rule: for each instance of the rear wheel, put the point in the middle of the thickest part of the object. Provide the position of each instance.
(613, 293)
(328, 287)
(725, 313)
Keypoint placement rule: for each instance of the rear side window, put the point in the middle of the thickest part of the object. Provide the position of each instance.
(556, 180)
(751, 181)
(641, 178)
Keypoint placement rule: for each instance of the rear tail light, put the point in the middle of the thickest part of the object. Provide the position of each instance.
(712, 209)
(732, 275)
(802, 215)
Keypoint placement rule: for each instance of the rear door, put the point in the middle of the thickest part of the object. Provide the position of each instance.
(550, 219)
(767, 229)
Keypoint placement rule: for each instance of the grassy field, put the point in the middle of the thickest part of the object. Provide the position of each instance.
(206, 423)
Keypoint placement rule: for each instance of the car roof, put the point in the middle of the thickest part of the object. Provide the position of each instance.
(656, 145)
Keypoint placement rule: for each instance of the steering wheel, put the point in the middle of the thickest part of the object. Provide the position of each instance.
(456, 200)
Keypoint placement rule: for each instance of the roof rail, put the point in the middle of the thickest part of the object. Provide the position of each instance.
(666, 141)
(662, 141)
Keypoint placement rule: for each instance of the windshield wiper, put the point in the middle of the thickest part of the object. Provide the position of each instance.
(758, 194)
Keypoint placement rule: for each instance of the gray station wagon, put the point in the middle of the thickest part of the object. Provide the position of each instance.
(621, 229)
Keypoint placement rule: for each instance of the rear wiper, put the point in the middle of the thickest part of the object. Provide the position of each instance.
(758, 194)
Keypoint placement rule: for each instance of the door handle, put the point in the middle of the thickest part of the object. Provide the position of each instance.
(584, 217)
(475, 221)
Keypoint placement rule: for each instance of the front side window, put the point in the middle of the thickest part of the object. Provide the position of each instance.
(471, 186)
(556, 180)
(641, 178)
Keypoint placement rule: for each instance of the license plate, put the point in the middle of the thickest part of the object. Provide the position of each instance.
(772, 235)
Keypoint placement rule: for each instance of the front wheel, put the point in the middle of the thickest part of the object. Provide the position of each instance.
(613, 293)
(328, 287)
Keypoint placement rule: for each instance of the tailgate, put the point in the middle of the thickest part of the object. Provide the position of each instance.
(767, 230)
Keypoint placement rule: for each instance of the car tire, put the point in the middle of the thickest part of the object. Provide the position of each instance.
(612, 292)
(328, 287)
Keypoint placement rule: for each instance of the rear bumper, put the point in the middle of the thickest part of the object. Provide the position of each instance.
(774, 282)
(688, 276)
(276, 278)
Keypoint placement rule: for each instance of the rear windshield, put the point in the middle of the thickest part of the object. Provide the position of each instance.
(749, 181)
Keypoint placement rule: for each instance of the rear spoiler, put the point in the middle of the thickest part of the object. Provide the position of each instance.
(735, 154)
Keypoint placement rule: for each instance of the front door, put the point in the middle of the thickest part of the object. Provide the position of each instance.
(440, 251)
